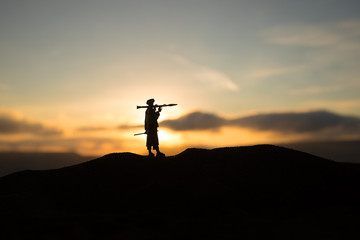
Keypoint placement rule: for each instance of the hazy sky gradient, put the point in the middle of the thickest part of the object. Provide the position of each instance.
(67, 65)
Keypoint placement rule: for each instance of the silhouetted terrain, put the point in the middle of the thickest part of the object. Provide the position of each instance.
(258, 192)
(340, 151)
(11, 162)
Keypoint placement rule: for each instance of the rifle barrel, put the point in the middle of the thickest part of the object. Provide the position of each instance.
(137, 134)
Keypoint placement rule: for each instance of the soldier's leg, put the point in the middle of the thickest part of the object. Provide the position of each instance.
(158, 153)
(150, 153)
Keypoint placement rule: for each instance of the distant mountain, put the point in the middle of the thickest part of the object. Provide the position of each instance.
(258, 192)
(11, 162)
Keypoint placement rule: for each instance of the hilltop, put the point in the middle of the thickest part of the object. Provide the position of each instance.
(261, 191)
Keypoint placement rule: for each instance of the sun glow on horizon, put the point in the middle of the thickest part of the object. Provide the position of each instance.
(169, 138)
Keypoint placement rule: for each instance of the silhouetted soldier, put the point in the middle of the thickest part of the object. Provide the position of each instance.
(151, 125)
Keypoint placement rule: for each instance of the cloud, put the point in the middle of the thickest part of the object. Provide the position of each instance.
(107, 128)
(93, 128)
(317, 89)
(82, 145)
(12, 125)
(216, 79)
(129, 126)
(299, 122)
(314, 58)
(261, 72)
(316, 35)
(195, 121)
(207, 75)
(327, 55)
(303, 35)
(345, 106)
(339, 39)
(306, 122)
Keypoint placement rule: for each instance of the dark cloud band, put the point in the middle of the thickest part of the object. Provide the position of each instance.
(195, 121)
(9, 125)
(281, 122)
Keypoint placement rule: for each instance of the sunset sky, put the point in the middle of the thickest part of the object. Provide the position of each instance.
(73, 72)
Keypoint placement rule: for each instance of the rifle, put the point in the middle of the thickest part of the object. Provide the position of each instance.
(137, 134)
(161, 105)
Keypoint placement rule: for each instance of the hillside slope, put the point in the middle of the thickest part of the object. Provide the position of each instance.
(11, 162)
(248, 192)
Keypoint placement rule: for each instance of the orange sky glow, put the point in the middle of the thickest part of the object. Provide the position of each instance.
(72, 73)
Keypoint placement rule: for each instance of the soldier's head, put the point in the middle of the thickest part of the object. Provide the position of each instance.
(150, 102)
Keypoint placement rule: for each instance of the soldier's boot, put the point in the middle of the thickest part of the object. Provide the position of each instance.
(160, 155)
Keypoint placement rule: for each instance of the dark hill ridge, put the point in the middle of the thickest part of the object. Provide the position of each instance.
(253, 192)
(11, 162)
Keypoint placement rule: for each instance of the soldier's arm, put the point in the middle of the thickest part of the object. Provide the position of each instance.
(158, 112)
